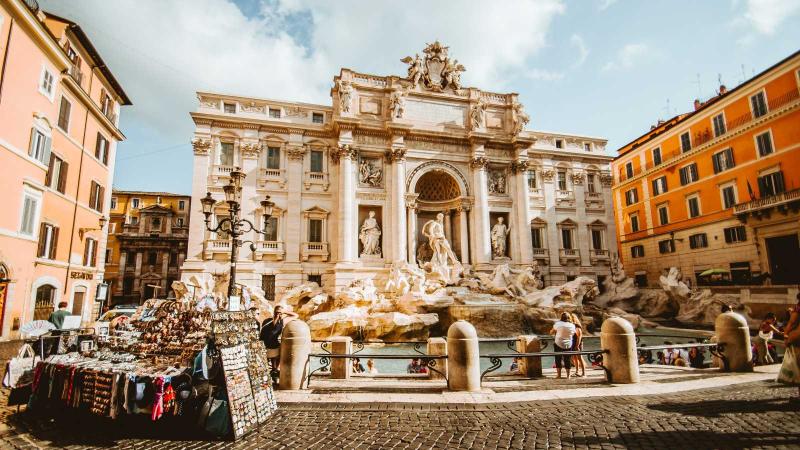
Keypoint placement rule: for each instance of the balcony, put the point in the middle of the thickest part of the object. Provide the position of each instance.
(316, 178)
(763, 206)
(565, 198)
(318, 249)
(216, 246)
(76, 74)
(597, 255)
(273, 249)
(266, 176)
(541, 254)
(566, 255)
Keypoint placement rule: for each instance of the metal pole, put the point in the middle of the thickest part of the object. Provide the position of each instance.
(234, 248)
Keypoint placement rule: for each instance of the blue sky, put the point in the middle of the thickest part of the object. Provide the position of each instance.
(605, 68)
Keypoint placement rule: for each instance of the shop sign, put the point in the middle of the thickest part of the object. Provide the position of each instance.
(75, 275)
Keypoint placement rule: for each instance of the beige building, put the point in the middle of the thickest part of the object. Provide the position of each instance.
(354, 182)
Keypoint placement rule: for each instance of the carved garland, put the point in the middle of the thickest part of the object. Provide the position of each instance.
(250, 150)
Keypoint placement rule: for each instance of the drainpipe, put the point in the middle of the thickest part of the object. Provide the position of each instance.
(5, 58)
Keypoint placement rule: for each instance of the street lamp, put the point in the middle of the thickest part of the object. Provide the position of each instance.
(100, 221)
(233, 225)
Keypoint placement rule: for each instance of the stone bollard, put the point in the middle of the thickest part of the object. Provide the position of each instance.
(438, 346)
(732, 332)
(341, 368)
(530, 367)
(622, 360)
(295, 347)
(463, 357)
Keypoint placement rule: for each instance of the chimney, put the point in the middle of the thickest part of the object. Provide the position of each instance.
(722, 89)
(697, 104)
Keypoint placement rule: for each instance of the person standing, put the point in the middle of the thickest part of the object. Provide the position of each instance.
(271, 332)
(790, 369)
(577, 345)
(765, 333)
(563, 330)
(57, 317)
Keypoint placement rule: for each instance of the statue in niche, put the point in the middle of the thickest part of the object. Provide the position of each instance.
(345, 95)
(398, 104)
(443, 261)
(370, 236)
(497, 183)
(370, 173)
(499, 233)
(478, 114)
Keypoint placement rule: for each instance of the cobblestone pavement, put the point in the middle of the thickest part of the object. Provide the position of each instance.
(754, 415)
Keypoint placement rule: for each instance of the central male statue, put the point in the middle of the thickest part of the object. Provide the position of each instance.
(442, 253)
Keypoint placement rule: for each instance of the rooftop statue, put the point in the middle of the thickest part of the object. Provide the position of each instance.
(436, 71)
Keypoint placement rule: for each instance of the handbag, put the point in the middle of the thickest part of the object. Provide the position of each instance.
(790, 369)
(19, 365)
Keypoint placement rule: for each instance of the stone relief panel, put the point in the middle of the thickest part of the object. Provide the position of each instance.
(435, 113)
(368, 139)
(370, 172)
(498, 182)
(253, 107)
(370, 105)
(208, 102)
(418, 144)
(494, 119)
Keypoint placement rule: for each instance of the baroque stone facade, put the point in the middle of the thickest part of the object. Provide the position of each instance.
(389, 155)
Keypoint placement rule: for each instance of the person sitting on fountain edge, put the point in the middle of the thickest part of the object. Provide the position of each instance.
(563, 331)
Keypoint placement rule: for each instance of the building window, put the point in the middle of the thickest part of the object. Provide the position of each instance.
(728, 196)
(663, 215)
(90, 253)
(764, 144)
(631, 196)
(597, 239)
(271, 229)
(590, 183)
(317, 118)
(693, 206)
(315, 279)
(273, 157)
(532, 185)
(30, 212)
(566, 238)
(152, 258)
(230, 108)
(179, 222)
(562, 180)
(96, 195)
(686, 142)
(173, 260)
(48, 241)
(559, 143)
(536, 238)
(181, 205)
(135, 203)
(46, 83)
(101, 148)
(699, 240)
(656, 156)
(629, 169)
(106, 105)
(40, 146)
(771, 184)
(316, 161)
(637, 251)
(688, 174)
(108, 256)
(63, 114)
(587, 146)
(57, 174)
(226, 154)
(274, 113)
(719, 124)
(113, 203)
(640, 279)
(155, 224)
(315, 230)
(634, 222)
(666, 246)
(660, 185)
(759, 104)
(735, 234)
(134, 220)
(723, 160)
(45, 299)
(158, 200)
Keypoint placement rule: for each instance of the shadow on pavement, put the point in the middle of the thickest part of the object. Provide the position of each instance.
(691, 439)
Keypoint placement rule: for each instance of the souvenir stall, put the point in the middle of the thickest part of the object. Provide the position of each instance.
(171, 359)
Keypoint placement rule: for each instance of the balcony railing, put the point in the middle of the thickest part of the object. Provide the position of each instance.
(217, 246)
(272, 248)
(598, 255)
(223, 170)
(539, 252)
(314, 249)
(316, 178)
(270, 173)
(568, 254)
(767, 202)
(75, 73)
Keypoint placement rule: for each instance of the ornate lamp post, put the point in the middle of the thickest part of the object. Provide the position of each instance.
(233, 225)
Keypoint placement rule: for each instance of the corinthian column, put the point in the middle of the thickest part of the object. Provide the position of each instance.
(398, 241)
(348, 228)
(197, 227)
(521, 231)
(480, 213)
(294, 177)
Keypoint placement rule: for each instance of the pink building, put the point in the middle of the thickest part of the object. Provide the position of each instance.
(59, 109)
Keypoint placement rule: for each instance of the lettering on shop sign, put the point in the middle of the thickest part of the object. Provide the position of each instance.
(81, 275)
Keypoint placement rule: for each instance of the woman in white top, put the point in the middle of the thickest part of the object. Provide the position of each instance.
(563, 330)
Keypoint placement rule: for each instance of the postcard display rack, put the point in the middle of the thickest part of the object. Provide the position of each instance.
(246, 368)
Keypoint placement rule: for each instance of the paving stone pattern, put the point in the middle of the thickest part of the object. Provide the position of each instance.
(755, 415)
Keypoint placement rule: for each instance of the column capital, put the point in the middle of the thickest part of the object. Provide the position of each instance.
(250, 150)
(519, 166)
(606, 179)
(479, 162)
(201, 146)
(577, 177)
(548, 175)
(295, 152)
(344, 151)
(396, 155)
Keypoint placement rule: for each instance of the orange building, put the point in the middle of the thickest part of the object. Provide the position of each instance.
(717, 188)
(59, 105)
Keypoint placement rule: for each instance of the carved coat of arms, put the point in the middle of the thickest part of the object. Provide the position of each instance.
(436, 71)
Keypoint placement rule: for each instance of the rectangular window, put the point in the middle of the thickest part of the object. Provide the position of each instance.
(735, 234)
(135, 203)
(226, 154)
(181, 205)
(30, 213)
(631, 196)
(771, 184)
(317, 118)
(101, 148)
(155, 225)
(559, 143)
(271, 228)
(48, 241)
(63, 114)
(315, 279)
(719, 124)
(532, 180)
(688, 174)
(699, 240)
(566, 238)
(315, 230)
(686, 142)
(666, 246)
(108, 255)
(40, 146)
(597, 239)
(316, 161)
(113, 203)
(46, 83)
(660, 185)
(656, 156)
(57, 174)
(173, 260)
(134, 220)
(629, 170)
(179, 222)
(759, 104)
(634, 223)
(693, 206)
(90, 253)
(723, 160)
(273, 157)
(536, 238)
(106, 105)
(764, 144)
(587, 146)
(230, 108)
(590, 186)
(562, 180)
(274, 113)
(96, 195)
(637, 251)
(152, 258)
(728, 196)
(663, 215)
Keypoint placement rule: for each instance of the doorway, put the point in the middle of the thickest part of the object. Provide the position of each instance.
(782, 252)
(77, 301)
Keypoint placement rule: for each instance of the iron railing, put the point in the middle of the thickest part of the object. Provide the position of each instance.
(325, 359)
(496, 359)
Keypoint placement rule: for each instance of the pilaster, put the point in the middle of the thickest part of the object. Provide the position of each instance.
(397, 157)
(197, 226)
(295, 155)
(481, 245)
(345, 155)
(520, 232)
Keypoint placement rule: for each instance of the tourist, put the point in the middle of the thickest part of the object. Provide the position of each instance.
(577, 345)
(790, 369)
(357, 366)
(696, 358)
(563, 330)
(371, 369)
(57, 317)
(413, 367)
(765, 333)
(514, 365)
(271, 333)
(661, 359)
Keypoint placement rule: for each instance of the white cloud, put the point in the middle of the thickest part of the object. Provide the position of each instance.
(544, 75)
(605, 4)
(583, 51)
(627, 57)
(765, 16)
